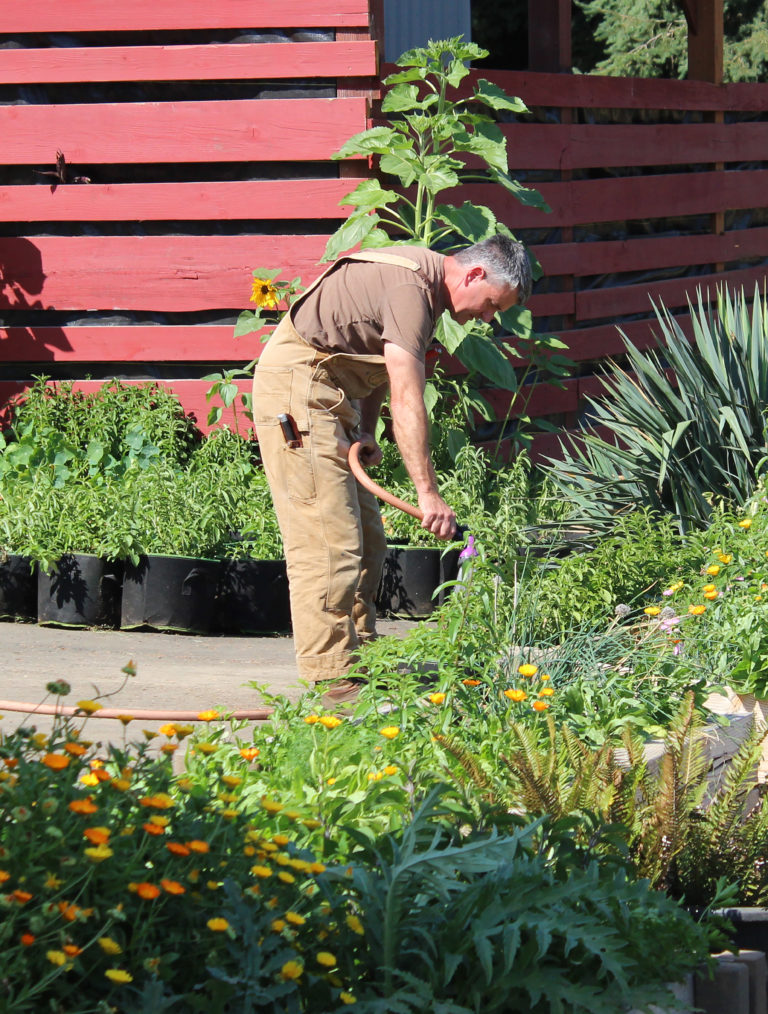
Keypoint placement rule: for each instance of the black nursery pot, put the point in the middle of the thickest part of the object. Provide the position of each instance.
(410, 577)
(175, 593)
(750, 927)
(253, 597)
(18, 588)
(83, 591)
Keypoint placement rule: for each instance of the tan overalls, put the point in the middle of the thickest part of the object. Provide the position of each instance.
(332, 531)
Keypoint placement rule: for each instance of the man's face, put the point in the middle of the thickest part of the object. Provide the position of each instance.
(475, 298)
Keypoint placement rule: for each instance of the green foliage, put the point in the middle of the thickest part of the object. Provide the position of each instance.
(502, 923)
(680, 447)
(648, 38)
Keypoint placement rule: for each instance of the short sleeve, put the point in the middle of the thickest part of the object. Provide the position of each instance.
(406, 316)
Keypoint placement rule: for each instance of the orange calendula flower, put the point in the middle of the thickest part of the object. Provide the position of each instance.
(540, 705)
(208, 716)
(27, 939)
(76, 749)
(68, 910)
(527, 669)
(516, 695)
(330, 721)
(437, 698)
(176, 848)
(264, 294)
(198, 846)
(83, 806)
(172, 886)
(121, 784)
(56, 761)
(697, 610)
(97, 835)
(153, 829)
(390, 731)
(250, 753)
(218, 925)
(21, 896)
(471, 683)
(147, 891)
(4, 875)
(72, 950)
(160, 801)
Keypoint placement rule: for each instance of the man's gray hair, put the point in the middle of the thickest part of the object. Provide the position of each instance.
(505, 260)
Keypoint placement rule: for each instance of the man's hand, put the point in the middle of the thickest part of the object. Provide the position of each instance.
(438, 516)
(370, 452)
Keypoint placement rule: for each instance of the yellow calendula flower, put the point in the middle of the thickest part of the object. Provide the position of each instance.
(287, 878)
(218, 925)
(98, 853)
(547, 692)
(232, 781)
(205, 748)
(326, 959)
(292, 970)
(109, 946)
(391, 769)
(527, 669)
(515, 695)
(437, 698)
(271, 805)
(39, 739)
(375, 776)
(330, 721)
(652, 610)
(89, 707)
(294, 918)
(210, 715)
(125, 719)
(119, 976)
(711, 595)
(159, 801)
(708, 588)
(52, 882)
(746, 523)
(390, 731)
(347, 998)
(725, 557)
(697, 610)
(264, 294)
(261, 871)
(168, 730)
(714, 570)
(121, 784)
(56, 957)
(312, 719)
(355, 925)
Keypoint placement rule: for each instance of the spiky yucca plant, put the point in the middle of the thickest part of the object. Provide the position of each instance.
(686, 422)
(680, 830)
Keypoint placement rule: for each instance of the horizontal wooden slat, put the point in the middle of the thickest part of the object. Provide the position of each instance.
(650, 252)
(125, 343)
(537, 400)
(627, 299)
(184, 63)
(151, 15)
(147, 202)
(594, 91)
(606, 340)
(191, 394)
(162, 273)
(635, 198)
(589, 146)
(261, 130)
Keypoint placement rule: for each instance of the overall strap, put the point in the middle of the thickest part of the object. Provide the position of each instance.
(376, 256)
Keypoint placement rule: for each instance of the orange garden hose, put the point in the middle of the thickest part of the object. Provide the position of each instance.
(367, 483)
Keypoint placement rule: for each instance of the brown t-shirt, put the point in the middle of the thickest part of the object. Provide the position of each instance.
(362, 304)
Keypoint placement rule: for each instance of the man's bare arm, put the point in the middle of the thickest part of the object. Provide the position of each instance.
(370, 410)
(409, 420)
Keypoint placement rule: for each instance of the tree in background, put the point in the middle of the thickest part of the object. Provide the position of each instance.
(628, 38)
(648, 38)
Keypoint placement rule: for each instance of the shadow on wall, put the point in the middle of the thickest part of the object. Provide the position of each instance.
(22, 279)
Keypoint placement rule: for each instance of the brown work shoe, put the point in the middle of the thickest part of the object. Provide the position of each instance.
(342, 691)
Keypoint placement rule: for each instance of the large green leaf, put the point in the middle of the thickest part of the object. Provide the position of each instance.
(497, 98)
(485, 357)
(348, 235)
(369, 195)
(473, 222)
(401, 97)
(449, 333)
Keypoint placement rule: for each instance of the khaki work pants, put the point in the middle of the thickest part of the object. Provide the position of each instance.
(332, 531)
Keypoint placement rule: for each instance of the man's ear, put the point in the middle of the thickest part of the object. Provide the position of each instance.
(476, 273)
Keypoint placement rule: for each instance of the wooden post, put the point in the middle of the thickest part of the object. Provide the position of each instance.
(549, 35)
(705, 39)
